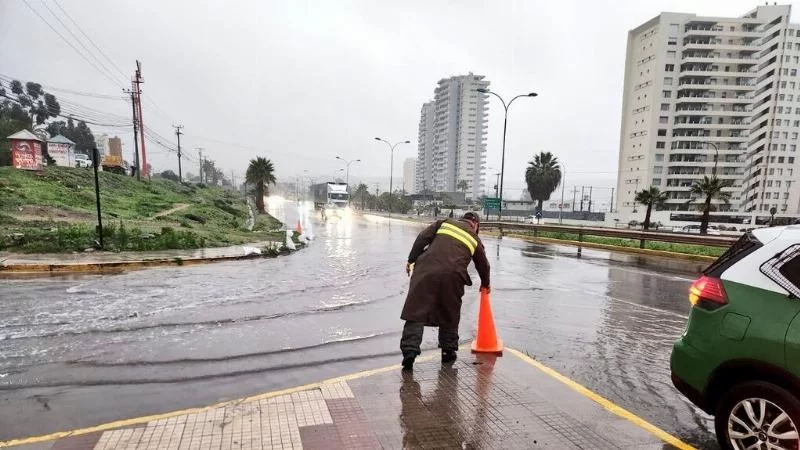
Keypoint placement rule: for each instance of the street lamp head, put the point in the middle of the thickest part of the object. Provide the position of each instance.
(378, 139)
(482, 90)
(339, 157)
(358, 160)
(407, 142)
(533, 94)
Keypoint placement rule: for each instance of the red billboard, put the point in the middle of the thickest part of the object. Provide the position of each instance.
(26, 154)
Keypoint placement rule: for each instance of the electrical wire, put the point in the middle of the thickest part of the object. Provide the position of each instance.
(69, 43)
(89, 39)
(80, 42)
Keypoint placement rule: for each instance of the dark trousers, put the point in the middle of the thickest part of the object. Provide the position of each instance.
(412, 338)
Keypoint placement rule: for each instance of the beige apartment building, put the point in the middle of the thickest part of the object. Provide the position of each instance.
(713, 95)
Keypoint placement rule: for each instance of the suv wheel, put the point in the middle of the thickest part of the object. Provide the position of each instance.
(758, 415)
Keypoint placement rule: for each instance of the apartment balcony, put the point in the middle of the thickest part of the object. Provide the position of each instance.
(720, 31)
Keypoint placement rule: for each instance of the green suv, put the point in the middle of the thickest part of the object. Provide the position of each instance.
(739, 357)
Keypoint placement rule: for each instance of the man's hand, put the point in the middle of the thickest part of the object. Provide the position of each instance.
(408, 268)
(486, 289)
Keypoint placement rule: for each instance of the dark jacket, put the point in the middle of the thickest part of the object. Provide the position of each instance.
(441, 254)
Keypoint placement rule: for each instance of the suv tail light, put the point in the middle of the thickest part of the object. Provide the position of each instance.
(707, 293)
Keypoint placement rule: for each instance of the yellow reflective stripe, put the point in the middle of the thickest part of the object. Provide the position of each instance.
(461, 232)
(458, 237)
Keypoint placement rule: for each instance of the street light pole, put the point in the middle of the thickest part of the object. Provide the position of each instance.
(563, 182)
(716, 156)
(505, 127)
(391, 167)
(347, 163)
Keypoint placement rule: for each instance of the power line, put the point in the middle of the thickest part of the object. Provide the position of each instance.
(78, 40)
(90, 39)
(68, 42)
(9, 79)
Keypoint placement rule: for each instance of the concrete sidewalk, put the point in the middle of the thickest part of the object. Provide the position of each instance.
(479, 402)
(103, 262)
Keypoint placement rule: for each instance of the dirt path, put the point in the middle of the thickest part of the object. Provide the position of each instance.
(178, 207)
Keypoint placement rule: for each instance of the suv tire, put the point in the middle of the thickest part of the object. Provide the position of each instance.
(732, 409)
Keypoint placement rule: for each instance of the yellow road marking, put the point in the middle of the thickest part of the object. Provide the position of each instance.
(167, 415)
(605, 403)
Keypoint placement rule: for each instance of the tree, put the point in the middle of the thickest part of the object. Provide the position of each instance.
(361, 192)
(650, 197)
(709, 188)
(542, 176)
(462, 186)
(170, 175)
(261, 173)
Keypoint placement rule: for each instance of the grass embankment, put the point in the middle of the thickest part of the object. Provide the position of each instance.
(689, 249)
(54, 211)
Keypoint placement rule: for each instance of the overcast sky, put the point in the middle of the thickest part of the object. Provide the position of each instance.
(302, 82)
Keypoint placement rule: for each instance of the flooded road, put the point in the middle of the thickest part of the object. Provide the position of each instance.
(90, 349)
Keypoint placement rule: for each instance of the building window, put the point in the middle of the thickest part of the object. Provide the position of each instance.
(671, 54)
(662, 132)
(772, 171)
(793, 72)
(792, 85)
(790, 160)
(771, 159)
(665, 106)
(780, 109)
(669, 68)
(663, 119)
(660, 144)
(783, 84)
(794, 135)
(792, 148)
(667, 94)
(667, 81)
(768, 195)
(769, 183)
(777, 123)
(797, 123)
(656, 182)
(780, 159)
(783, 147)
(660, 156)
(657, 169)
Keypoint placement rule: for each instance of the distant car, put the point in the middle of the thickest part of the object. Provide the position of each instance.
(695, 229)
(82, 160)
(739, 356)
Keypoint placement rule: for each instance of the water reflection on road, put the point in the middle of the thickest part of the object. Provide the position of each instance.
(170, 338)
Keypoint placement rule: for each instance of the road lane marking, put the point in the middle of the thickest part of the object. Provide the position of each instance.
(153, 417)
(605, 403)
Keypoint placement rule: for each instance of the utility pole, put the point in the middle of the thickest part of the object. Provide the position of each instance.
(583, 194)
(561, 206)
(137, 81)
(200, 158)
(233, 180)
(611, 205)
(574, 192)
(590, 199)
(179, 133)
(134, 100)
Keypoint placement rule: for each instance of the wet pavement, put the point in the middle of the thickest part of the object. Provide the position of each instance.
(481, 402)
(180, 337)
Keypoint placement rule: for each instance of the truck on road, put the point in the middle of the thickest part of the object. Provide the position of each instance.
(332, 196)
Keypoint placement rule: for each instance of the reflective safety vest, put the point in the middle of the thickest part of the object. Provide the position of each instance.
(458, 234)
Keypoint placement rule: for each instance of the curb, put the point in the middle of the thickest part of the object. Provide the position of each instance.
(638, 251)
(121, 266)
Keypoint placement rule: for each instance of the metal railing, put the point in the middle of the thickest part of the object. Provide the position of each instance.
(641, 236)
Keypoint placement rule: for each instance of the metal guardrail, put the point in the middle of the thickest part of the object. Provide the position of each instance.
(641, 236)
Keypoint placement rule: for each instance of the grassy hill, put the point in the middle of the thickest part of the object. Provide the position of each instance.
(54, 211)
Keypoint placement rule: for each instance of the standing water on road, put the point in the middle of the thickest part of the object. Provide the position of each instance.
(82, 350)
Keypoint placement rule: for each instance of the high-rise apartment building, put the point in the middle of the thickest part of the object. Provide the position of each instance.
(710, 96)
(424, 167)
(452, 136)
(410, 176)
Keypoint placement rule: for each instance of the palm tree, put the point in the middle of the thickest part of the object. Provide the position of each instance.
(650, 197)
(542, 176)
(707, 189)
(361, 191)
(462, 186)
(261, 172)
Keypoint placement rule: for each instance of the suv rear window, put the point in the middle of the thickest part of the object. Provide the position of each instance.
(744, 246)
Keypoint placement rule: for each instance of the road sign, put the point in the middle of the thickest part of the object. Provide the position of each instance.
(491, 203)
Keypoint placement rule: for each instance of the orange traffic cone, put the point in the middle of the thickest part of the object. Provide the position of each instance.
(486, 340)
(298, 228)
